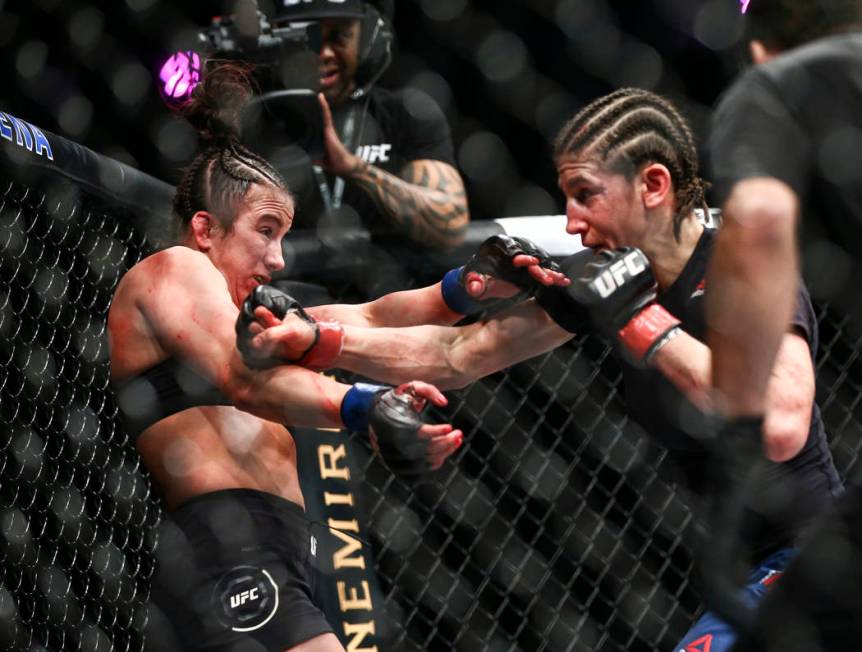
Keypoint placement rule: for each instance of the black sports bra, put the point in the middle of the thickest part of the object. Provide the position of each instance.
(160, 391)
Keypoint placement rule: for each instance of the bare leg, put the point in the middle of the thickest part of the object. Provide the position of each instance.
(751, 292)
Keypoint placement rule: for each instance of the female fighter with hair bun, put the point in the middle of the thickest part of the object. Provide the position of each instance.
(233, 555)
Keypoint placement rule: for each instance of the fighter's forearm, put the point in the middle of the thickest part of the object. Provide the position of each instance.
(451, 357)
(687, 363)
(406, 308)
(429, 204)
(397, 355)
(288, 394)
(752, 281)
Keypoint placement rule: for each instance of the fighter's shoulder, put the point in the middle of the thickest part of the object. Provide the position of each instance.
(795, 71)
(174, 266)
(175, 260)
(829, 51)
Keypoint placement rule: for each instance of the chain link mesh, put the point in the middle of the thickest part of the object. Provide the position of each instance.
(76, 512)
(556, 527)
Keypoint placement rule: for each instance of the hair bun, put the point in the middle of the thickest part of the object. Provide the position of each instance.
(216, 104)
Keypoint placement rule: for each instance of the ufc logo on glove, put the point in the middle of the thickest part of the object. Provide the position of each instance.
(609, 280)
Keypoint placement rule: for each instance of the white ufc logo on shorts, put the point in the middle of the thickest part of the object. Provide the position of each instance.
(239, 599)
(631, 265)
(374, 153)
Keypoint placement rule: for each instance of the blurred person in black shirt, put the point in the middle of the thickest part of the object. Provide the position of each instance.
(786, 154)
(786, 140)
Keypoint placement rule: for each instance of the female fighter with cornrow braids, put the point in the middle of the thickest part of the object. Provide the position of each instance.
(234, 559)
(627, 164)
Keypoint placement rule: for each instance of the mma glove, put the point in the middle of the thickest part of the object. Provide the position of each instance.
(618, 290)
(324, 349)
(389, 417)
(494, 258)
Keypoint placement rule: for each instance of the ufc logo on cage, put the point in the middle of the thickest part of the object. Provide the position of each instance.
(240, 599)
(631, 264)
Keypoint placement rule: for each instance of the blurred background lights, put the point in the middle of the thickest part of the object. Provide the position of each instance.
(31, 58)
(179, 75)
(75, 115)
(443, 10)
(717, 25)
(501, 56)
(86, 28)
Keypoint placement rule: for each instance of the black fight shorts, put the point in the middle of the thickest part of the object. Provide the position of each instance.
(234, 573)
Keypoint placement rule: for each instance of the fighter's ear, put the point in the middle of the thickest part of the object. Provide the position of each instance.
(202, 225)
(656, 184)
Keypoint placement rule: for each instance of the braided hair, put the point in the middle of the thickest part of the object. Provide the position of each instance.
(630, 128)
(222, 172)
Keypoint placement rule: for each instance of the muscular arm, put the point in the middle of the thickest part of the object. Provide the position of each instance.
(407, 308)
(761, 158)
(752, 278)
(185, 302)
(427, 305)
(451, 357)
(687, 363)
(427, 202)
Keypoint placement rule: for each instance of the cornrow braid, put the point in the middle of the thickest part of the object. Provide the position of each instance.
(631, 127)
(219, 177)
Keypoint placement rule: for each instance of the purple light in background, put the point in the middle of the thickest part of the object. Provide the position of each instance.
(744, 6)
(180, 74)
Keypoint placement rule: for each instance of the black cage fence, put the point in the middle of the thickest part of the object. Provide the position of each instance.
(77, 515)
(556, 527)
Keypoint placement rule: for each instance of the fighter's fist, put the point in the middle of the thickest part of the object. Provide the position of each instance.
(392, 417)
(266, 335)
(614, 286)
(618, 290)
(503, 267)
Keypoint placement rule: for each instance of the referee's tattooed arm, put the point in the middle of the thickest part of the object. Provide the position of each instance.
(427, 202)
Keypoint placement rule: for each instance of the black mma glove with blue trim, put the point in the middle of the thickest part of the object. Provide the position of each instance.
(388, 415)
(494, 258)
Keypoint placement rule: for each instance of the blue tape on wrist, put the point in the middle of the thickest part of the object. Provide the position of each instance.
(357, 403)
(455, 295)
